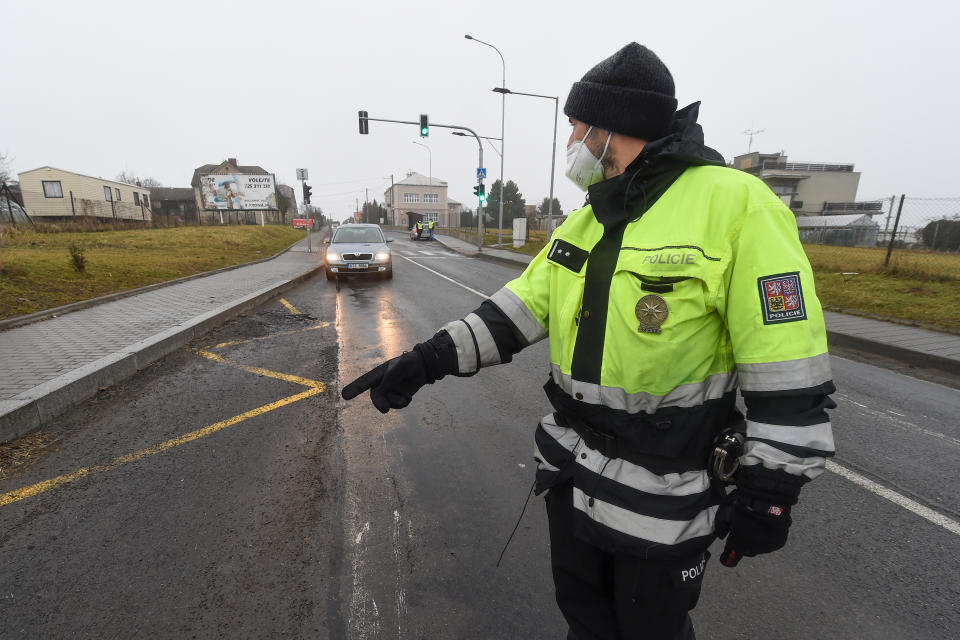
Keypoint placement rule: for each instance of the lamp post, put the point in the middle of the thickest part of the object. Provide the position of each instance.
(553, 154)
(503, 111)
(431, 159)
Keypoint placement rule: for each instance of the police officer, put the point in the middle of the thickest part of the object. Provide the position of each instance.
(419, 228)
(681, 281)
(430, 226)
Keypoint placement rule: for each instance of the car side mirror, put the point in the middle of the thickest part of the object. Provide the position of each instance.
(389, 239)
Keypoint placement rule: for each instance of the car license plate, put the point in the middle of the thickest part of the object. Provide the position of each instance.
(356, 265)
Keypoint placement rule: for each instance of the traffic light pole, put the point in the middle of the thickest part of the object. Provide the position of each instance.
(306, 212)
(364, 119)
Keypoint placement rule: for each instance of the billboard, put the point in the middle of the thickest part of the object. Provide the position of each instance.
(238, 191)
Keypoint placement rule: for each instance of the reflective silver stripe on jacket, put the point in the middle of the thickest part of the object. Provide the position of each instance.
(489, 354)
(818, 436)
(636, 477)
(466, 350)
(645, 527)
(773, 458)
(788, 374)
(567, 438)
(513, 307)
(686, 395)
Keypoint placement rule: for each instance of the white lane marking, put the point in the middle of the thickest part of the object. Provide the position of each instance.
(398, 558)
(900, 500)
(366, 527)
(474, 291)
(901, 424)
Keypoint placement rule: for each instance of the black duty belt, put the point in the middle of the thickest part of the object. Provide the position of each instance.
(672, 440)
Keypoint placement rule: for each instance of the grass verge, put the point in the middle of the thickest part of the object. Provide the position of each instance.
(38, 271)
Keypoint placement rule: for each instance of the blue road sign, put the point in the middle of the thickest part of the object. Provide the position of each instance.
(481, 173)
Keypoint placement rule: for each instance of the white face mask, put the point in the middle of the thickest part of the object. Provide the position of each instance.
(584, 169)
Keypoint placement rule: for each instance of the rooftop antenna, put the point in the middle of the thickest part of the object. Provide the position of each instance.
(750, 133)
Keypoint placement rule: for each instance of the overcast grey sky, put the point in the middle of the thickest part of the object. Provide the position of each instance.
(159, 88)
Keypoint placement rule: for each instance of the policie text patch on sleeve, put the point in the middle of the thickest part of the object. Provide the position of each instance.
(570, 256)
(781, 298)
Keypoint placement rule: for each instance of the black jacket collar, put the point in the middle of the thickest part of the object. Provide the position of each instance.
(630, 194)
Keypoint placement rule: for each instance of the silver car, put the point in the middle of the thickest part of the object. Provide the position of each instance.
(358, 249)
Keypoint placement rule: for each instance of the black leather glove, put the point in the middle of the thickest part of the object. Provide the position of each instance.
(756, 515)
(754, 527)
(393, 383)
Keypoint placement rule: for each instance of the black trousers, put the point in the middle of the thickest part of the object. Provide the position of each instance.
(612, 596)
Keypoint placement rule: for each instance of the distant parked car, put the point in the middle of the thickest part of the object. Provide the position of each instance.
(359, 249)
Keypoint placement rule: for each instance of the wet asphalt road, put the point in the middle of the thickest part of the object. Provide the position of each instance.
(324, 519)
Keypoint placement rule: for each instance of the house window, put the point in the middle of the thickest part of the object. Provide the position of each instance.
(52, 189)
(146, 200)
(433, 198)
(118, 194)
(136, 198)
(411, 198)
(108, 194)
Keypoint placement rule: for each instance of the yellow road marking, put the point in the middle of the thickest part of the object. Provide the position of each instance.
(279, 333)
(314, 387)
(292, 308)
(307, 382)
(42, 487)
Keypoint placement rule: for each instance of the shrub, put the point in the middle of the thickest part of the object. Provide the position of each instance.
(79, 256)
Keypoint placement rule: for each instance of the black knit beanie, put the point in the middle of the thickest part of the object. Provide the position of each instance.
(631, 92)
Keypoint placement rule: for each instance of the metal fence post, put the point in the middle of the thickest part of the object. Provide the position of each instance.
(936, 230)
(893, 235)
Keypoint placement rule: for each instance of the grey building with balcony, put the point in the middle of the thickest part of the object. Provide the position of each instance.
(808, 188)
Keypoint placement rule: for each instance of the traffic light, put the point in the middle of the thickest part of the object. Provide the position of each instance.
(364, 123)
(481, 192)
(306, 193)
(424, 126)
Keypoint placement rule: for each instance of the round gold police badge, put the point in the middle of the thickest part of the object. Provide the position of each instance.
(651, 311)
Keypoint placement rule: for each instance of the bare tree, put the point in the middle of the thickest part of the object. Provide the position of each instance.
(131, 177)
(5, 171)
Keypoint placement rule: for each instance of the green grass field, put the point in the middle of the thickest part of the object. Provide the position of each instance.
(37, 270)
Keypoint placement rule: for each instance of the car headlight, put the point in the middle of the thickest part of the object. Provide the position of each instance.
(332, 257)
(383, 255)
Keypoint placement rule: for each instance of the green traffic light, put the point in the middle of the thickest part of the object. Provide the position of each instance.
(424, 131)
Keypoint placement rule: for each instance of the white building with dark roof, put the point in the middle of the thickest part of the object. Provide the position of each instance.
(51, 193)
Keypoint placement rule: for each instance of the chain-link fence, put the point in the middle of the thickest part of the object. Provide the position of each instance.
(918, 237)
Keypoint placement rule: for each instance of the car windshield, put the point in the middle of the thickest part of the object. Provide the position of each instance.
(358, 234)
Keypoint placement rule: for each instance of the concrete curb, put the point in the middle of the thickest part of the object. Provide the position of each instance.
(30, 318)
(483, 256)
(30, 410)
(900, 354)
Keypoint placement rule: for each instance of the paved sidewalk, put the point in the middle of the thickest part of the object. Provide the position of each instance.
(50, 365)
(912, 345)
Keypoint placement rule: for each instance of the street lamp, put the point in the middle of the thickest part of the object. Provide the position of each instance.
(487, 138)
(553, 154)
(431, 159)
(503, 111)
